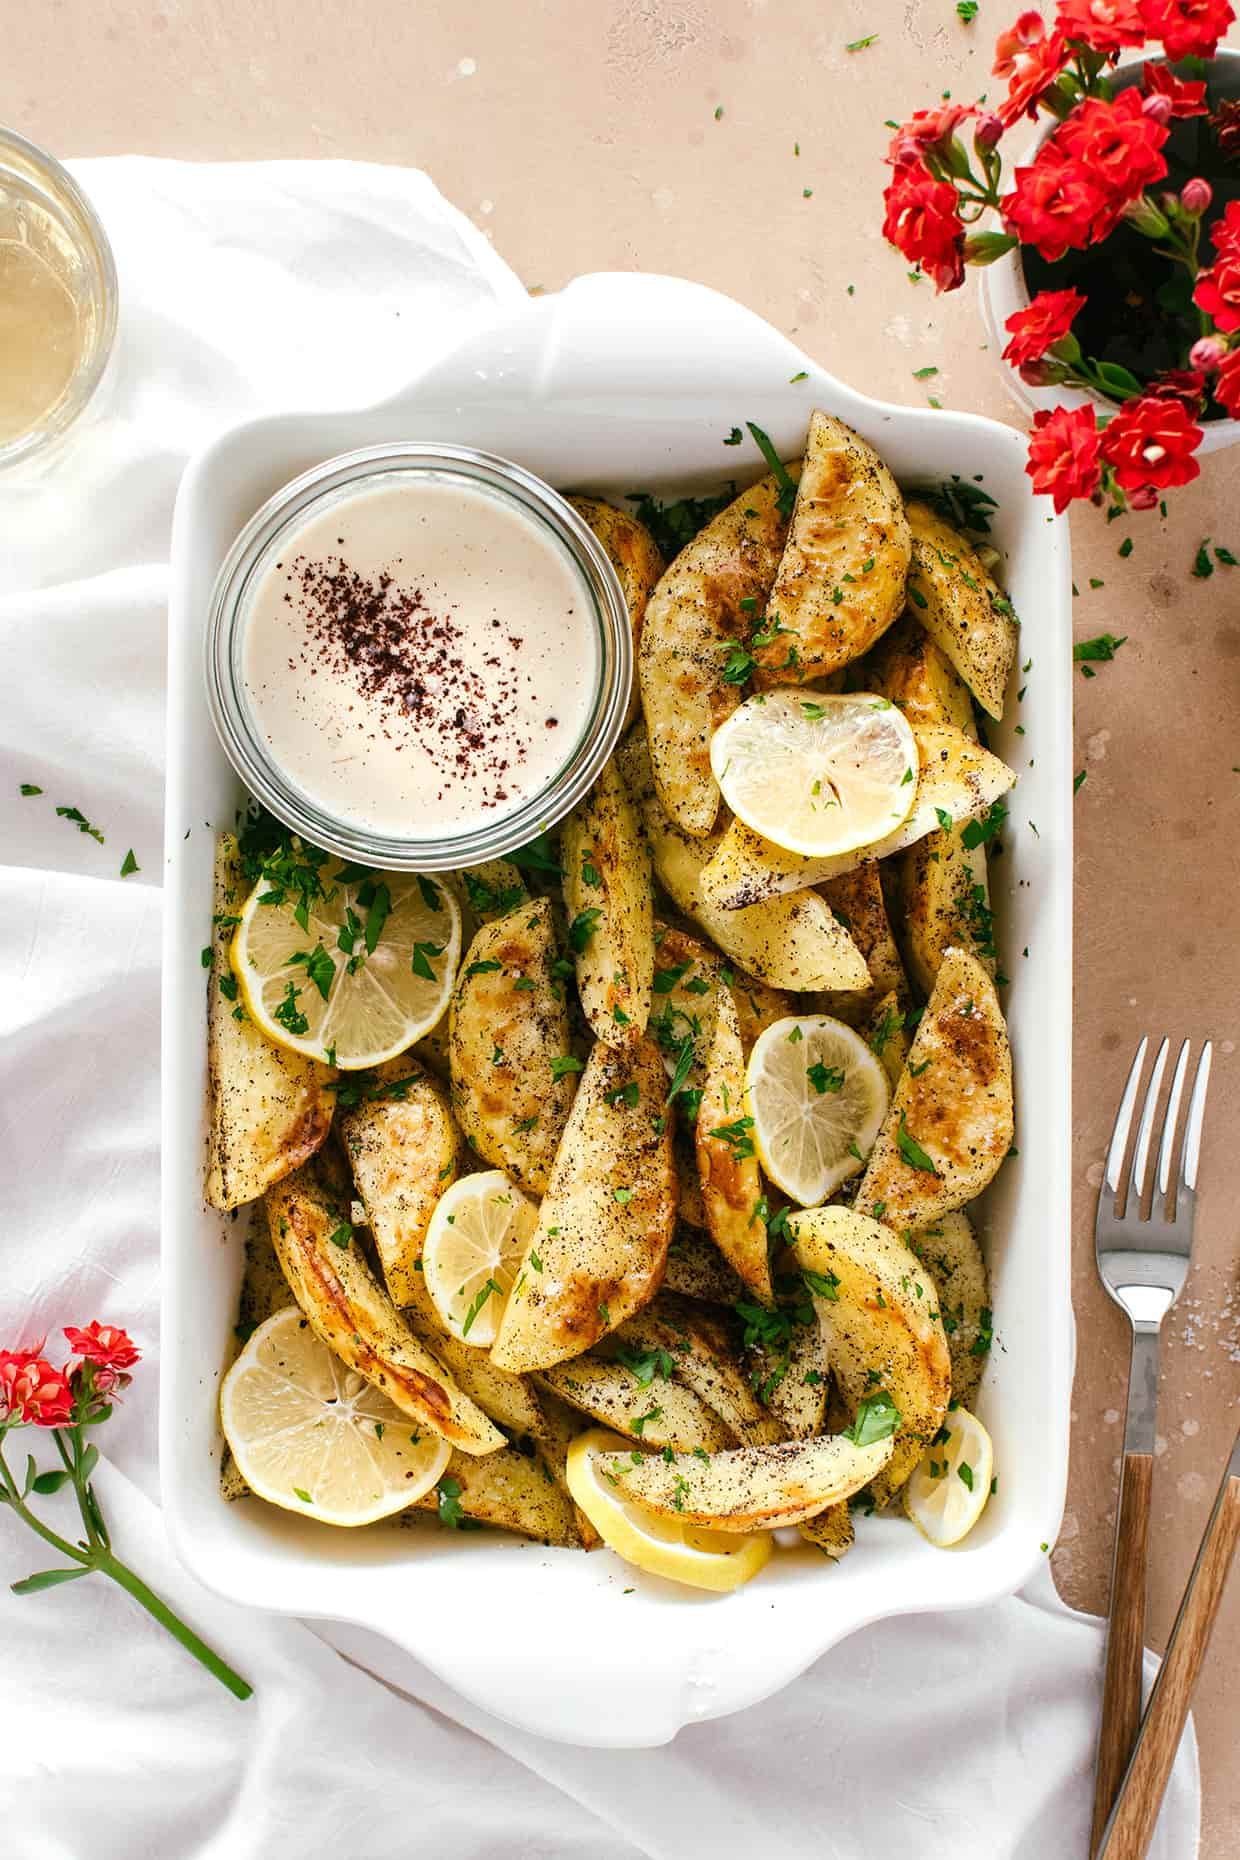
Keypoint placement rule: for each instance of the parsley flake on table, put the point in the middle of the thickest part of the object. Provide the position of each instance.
(129, 864)
(859, 45)
(80, 821)
(28, 788)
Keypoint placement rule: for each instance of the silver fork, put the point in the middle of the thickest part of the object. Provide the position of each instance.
(1143, 1262)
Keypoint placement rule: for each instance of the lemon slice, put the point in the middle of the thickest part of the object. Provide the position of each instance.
(715, 1560)
(817, 773)
(818, 1097)
(474, 1244)
(950, 1485)
(310, 1434)
(368, 973)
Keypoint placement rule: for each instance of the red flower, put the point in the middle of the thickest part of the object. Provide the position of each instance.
(1185, 99)
(104, 1345)
(1063, 454)
(1117, 144)
(1030, 61)
(1055, 204)
(1187, 27)
(1225, 232)
(1044, 322)
(1103, 25)
(31, 1390)
(927, 128)
(1150, 445)
(1227, 384)
(923, 222)
(1217, 291)
(1182, 384)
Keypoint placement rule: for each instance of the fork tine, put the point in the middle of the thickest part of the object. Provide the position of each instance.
(1171, 1118)
(1196, 1117)
(1123, 1121)
(1145, 1129)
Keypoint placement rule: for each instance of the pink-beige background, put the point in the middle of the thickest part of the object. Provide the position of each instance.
(582, 135)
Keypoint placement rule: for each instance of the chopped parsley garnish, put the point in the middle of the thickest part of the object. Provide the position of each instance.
(423, 953)
(967, 11)
(492, 900)
(966, 506)
(567, 1062)
(859, 45)
(28, 788)
(822, 1284)
(228, 987)
(430, 893)
(129, 864)
(538, 856)
(622, 1195)
(877, 1419)
(825, 1078)
(288, 1014)
(786, 483)
(675, 524)
(319, 967)
(912, 1151)
(924, 374)
(1098, 650)
(639, 1421)
(1125, 548)
(448, 1494)
(646, 1364)
(979, 832)
(739, 664)
(736, 1136)
(964, 1472)
(985, 1332)
(482, 968)
(666, 979)
(734, 437)
(582, 929)
(477, 1304)
(80, 821)
(1078, 780)
(627, 1095)
(341, 1235)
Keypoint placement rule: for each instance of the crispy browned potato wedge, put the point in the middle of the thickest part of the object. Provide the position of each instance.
(944, 903)
(697, 1269)
(886, 1034)
(727, 1164)
(788, 942)
(599, 1248)
(951, 1255)
(354, 1316)
(270, 1109)
(688, 973)
(749, 1488)
(797, 1399)
(704, 1360)
(511, 1401)
(831, 1531)
(907, 667)
(609, 900)
(960, 607)
(508, 1490)
(950, 1123)
(404, 1151)
(663, 1413)
(841, 577)
(693, 619)
(563, 1426)
(505, 1036)
(958, 779)
(882, 1328)
(634, 554)
(856, 898)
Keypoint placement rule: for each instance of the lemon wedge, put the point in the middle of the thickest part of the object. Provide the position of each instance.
(310, 1434)
(367, 971)
(818, 1097)
(817, 773)
(950, 1484)
(474, 1244)
(702, 1559)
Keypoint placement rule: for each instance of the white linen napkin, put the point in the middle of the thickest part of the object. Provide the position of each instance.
(966, 1735)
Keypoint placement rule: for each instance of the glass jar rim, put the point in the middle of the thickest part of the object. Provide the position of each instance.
(90, 237)
(262, 774)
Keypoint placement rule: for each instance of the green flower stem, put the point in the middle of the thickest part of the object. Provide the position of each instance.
(24, 1512)
(110, 1565)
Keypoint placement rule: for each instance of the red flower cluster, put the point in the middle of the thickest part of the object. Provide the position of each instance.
(1187, 28)
(1149, 446)
(923, 222)
(1217, 290)
(1042, 323)
(1184, 99)
(32, 1391)
(926, 128)
(1030, 61)
(1104, 25)
(1082, 178)
(1064, 454)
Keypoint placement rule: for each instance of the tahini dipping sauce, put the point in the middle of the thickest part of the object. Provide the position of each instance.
(420, 658)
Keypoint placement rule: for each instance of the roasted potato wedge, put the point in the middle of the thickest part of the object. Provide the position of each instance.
(270, 1109)
(634, 554)
(693, 618)
(831, 1531)
(697, 1269)
(950, 1123)
(704, 1361)
(508, 1025)
(510, 1490)
(841, 577)
(886, 1034)
(563, 1424)
(797, 1400)
(960, 607)
(750, 1488)
(951, 1255)
(511, 1401)
(609, 900)
(907, 667)
(356, 1319)
(599, 1249)
(726, 1161)
(944, 903)
(788, 942)
(492, 889)
(958, 779)
(404, 1151)
(882, 1328)
(664, 1413)
(856, 899)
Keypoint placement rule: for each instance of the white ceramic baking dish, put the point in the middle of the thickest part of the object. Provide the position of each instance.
(618, 383)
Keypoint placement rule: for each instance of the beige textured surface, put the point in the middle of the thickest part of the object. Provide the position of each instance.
(583, 136)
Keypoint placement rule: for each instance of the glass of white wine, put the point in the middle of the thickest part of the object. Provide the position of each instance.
(57, 300)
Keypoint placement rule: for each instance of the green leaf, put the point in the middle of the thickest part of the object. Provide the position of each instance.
(1119, 382)
(1203, 567)
(46, 1579)
(90, 1459)
(877, 1419)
